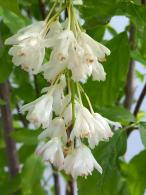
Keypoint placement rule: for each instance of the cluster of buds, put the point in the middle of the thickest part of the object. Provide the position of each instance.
(66, 123)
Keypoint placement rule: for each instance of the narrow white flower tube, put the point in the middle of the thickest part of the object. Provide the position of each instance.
(80, 162)
(29, 49)
(39, 111)
(55, 129)
(52, 152)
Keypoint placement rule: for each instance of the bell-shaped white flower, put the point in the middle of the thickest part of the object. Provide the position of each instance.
(55, 129)
(59, 56)
(102, 130)
(63, 43)
(52, 152)
(84, 125)
(98, 50)
(53, 68)
(98, 72)
(40, 110)
(94, 127)
(67, 114)
(93, 53)
(54, 31)
(80, 162)
(60, 101)
(30, 31)
(29, 49)
(80, 68)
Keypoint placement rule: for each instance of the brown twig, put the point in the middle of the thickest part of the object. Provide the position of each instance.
(140, 100)
(42, 8)
(143, 2)
(8, 128)
(70, 190)
(137, 107)
(143, 92)
(56, 183)
(130, 75)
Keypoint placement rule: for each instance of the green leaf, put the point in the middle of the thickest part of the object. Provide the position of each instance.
(5, 66)
(13, 21)
(26, 136)
(97, 12)
(143, 43)
(2, 102)
(25, 151)
(142, 128)
(136, 13)
(116, 67)
(97, 33)
(135, 172)
(111, 30)
(6, 180)
(10, 5)
(117, 113)
(138, 57)
(31, 176)
(3, 158)
(139, 75)
(107, 154)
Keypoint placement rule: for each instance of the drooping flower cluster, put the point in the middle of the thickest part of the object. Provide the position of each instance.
(74, 57)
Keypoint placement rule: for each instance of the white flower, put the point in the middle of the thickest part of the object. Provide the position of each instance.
(67, 114)
(80, 68)
(30, 31)
(102, 129)
(28, 50)
(93, 52)
(53, 68)
(78, 2)
(59, 56)
(40, 110)
(63, 43)
(84, 125)
(94, 127)
(54, 31)
(116, 125)
(60, 101)
(81, 162)
(55, 129)
(52, 152)
(98, 50)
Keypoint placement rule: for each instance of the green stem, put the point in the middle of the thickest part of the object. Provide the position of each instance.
(72, 84)
(87, 98)
(79, 94)
(50, 12)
